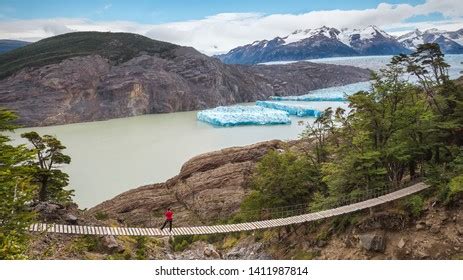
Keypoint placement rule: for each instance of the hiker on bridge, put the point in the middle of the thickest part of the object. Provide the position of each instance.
(169, 217)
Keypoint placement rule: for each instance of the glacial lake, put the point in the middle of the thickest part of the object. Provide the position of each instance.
(110, 157)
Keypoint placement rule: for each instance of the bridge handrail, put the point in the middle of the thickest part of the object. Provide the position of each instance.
(216, 229)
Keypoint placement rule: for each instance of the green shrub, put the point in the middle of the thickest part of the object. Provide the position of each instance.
(343, 222)
(229, 242)
(120, 256)
(279, 180)
(180, 243)
(414, 205)
(304, 255)
(455, 188)
(141, 247)
(101, 216)
(86, 243)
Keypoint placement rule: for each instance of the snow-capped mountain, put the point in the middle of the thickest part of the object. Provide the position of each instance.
(301, 44)
(371, 41)
(331, 42)
(449, 41)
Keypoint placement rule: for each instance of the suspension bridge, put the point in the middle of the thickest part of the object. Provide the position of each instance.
(228, 228)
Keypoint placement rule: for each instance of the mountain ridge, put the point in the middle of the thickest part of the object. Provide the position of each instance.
(8, 45)
(331, 42)
(98, 76)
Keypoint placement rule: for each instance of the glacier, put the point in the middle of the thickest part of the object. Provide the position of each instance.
(327, 94)
(243, 115)
(292, 109)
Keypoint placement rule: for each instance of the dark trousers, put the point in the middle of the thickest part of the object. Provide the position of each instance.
(165, 224)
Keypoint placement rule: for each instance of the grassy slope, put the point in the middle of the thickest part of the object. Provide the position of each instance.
(117, 47)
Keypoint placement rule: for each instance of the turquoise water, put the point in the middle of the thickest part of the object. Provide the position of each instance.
(110, 157)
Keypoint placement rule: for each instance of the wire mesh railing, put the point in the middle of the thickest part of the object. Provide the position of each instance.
(239, 215)
(289, 210)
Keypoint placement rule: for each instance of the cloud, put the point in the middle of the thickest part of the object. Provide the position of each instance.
(222, 32)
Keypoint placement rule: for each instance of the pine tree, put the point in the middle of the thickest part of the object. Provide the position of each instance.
(16, 191)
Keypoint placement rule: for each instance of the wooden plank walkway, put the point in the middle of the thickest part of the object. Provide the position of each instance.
(197, 230)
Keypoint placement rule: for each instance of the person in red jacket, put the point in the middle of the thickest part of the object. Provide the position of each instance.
(169, 217)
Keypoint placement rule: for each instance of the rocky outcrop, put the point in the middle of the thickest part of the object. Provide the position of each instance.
(57, 213)
(248, 249)
(199, 250)
(373, 241)
(110, 244)
(209, 187)
(90, 88)
(387, 234)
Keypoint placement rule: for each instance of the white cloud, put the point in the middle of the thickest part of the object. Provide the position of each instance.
(221, 32)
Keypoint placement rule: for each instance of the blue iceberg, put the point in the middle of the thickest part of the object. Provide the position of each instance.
(327, 94)
(292, 109)
(308, 97)
(243, 115)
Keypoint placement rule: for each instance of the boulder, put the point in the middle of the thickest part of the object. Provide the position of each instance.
(49, 211)
(47, 207)
(198, 251)
(210, 252)
(401, 243)
(111, 245)
(71, 219)
(420, 226)
(373, 241)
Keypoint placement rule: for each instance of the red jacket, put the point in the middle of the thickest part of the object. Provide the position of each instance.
(169, 215)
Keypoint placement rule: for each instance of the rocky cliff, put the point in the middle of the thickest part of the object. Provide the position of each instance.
(212, 185)
(209, 187)
(97, 84)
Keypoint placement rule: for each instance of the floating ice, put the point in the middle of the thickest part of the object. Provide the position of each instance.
(292, 109)
(327, 94)
(308, 98)
(243, 115)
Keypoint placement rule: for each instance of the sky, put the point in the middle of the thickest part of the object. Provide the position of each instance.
(216, 26)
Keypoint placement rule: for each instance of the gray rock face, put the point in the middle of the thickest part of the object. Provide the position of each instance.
(198, 251)
(248, 250)
(47, 207)
(71, 219)
(373, 242)
(90, 88)
(111, 245)
(209, 186)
